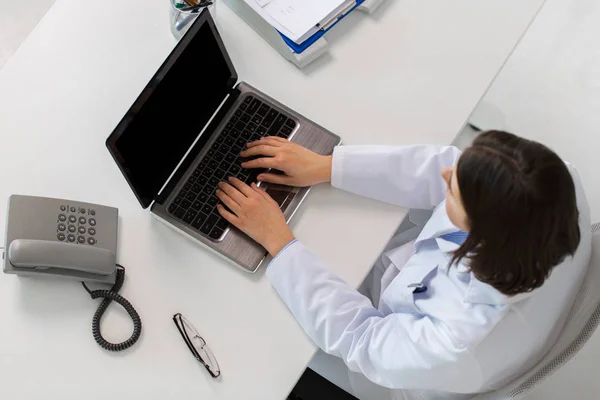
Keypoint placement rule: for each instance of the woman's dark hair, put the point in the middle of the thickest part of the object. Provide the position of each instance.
(523, 219)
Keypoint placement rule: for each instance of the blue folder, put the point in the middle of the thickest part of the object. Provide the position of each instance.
(299, 48)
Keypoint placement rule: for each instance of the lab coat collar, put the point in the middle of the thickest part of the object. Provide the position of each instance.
(439, 224)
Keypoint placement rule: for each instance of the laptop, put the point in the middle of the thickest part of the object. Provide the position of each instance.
(184, 133)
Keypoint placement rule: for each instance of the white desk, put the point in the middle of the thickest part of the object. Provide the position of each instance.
(411, 74)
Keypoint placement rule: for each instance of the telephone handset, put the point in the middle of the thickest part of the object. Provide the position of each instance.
(62, 238)
(54, 237)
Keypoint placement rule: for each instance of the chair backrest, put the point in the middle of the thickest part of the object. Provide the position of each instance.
(579, 327)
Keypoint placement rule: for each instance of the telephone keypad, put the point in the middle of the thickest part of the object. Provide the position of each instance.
(78, 223)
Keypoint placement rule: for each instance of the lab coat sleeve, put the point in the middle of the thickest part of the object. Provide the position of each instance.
(398, 351)
(405, 176)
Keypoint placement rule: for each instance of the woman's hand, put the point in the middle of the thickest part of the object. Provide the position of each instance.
(301, 167)
(255, 213)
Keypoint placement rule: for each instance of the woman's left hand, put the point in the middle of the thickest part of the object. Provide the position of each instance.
(255, 213)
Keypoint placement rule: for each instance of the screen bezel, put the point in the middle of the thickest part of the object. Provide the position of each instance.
(146, 199)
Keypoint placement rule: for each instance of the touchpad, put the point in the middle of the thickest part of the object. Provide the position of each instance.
(283, 195)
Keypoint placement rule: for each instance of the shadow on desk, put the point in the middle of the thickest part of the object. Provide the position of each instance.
(313, 386)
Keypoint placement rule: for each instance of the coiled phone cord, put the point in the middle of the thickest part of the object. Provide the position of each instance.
(109, 296)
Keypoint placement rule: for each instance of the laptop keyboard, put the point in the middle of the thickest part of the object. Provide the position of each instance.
(196, 203)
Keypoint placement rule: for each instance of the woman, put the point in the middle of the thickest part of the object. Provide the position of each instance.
(473, 299)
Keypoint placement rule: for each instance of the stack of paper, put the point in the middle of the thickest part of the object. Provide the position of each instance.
(300, 19)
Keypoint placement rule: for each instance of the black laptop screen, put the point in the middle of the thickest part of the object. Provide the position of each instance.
(174, 107)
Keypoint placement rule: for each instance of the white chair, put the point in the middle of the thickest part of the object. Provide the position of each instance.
(579, 327)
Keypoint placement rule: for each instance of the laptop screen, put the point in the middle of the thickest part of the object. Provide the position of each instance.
(172, 110)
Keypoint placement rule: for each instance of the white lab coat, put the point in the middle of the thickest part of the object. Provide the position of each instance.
(461, 336)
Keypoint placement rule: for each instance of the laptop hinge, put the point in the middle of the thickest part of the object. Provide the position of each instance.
(160, 198)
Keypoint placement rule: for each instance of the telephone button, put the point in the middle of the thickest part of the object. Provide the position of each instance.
(71, 238)
(62, 217)
(92, 241)
(82, 220)
(71, 228)
(80, 239)
(61, 227)
(72, 219)
(92, 222)
(61, 236)
(81, 229)
(92, 231)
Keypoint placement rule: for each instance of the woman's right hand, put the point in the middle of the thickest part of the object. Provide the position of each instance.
(300, 166)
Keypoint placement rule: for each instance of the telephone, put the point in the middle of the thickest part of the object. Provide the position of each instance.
(63, 238)
(55, 237)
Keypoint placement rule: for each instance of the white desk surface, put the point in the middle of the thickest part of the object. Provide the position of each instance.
(411, 73)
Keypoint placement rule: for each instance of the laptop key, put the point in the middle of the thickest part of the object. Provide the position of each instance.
(234, 119)
(187, 186)
(196, 173)
(263, 110)
(240, 125)
(222, 223)
(178, 199)
(268, 120)
(274, 129)
(230, 158)
(189, 216)
(202, 197)
(201, 180)
(207, 209)
(254, 105)
(246, 134)
(235, 149)
(261, 130)
(172, 208)
(200, 218)
(216, 233)
(213, 181)
(234, 170)
(196, 188)
(185, 204)
(238, 113)
(286, 130)
(243, 106)
(248, 99)
(228, 141)
(179, 213)
(208, 189)
(212, 201)
(223, 149)
(290, 123)
(219, 174)
(190, 196)
(209, 223)
(245, 118)
(197, 205)
(257, 119)
(252, 127)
